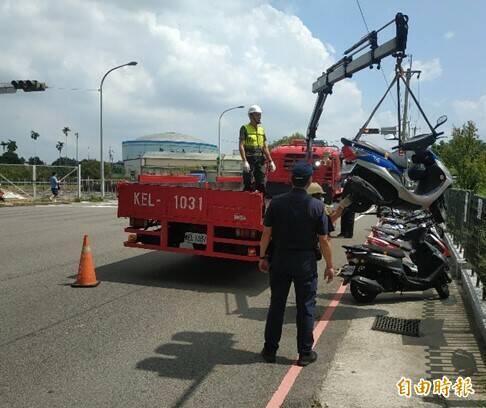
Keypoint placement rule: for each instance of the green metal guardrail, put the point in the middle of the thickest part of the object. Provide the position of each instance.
(466, 221)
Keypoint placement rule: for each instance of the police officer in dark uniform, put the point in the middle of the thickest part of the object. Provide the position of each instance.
(292, 222)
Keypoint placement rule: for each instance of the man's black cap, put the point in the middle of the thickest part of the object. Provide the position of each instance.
(302, 170)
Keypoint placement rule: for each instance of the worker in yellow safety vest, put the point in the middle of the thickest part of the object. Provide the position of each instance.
(254, 151)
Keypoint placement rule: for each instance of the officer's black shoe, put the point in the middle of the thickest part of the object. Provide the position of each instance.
(268, 356)
(306, 358)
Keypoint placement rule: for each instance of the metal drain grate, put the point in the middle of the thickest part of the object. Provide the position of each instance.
(407, 327)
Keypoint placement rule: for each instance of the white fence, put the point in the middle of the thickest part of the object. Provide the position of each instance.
(31, 182)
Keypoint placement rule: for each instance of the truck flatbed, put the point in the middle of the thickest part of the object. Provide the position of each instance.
(199, 218)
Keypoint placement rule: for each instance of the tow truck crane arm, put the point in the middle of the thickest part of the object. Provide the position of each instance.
(350, 64)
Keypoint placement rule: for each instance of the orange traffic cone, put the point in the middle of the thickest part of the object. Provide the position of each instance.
(86, 273)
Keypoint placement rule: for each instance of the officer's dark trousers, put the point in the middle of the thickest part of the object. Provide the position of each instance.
(304, 276)
(347, 223)
(257, 172)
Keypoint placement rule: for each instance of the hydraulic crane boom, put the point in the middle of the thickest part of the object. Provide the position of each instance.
(351, 64)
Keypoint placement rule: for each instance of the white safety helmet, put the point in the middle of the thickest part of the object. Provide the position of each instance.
(254, 109)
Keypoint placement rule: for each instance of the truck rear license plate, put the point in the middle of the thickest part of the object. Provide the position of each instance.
(195, 238)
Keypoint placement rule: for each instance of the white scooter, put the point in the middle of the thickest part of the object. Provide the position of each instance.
(377, 179)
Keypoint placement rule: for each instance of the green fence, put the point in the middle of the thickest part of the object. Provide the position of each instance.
(466, 221)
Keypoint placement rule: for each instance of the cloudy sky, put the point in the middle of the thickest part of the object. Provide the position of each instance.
(197, 58)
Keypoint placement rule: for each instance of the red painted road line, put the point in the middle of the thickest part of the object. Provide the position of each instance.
(288, 381)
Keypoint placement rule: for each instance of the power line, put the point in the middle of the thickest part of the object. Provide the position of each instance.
(368, 30)
(73, 89)
(362, 16)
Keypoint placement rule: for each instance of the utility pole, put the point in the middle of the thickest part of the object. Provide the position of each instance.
(110, 154)
(77, 137)
(408, 75)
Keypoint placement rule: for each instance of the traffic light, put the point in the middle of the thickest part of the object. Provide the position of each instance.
(29, 85)
(370, 130)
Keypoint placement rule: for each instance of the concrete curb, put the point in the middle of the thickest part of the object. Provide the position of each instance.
(472, 286)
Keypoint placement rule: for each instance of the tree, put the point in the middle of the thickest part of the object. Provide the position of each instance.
(64, 161)
(35, 160)
(59, 147)
(11, 146)
(91, 169)
(465, 155)
(287, 140)
(34, 136)
(66, 131)
(11, 158)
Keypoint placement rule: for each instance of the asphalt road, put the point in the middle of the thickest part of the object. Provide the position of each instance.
(161, 330)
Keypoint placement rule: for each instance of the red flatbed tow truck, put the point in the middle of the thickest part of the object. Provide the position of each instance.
(181, 214)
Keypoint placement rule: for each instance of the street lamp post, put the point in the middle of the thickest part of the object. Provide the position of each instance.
(77, 137)
(219, 135)
(102, 164)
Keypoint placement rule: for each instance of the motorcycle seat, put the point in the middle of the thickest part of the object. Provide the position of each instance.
(382, 260)
(415, 233)
(389, 231)
(419, 142)
(355, 248)
(402, 244)
(395, 253)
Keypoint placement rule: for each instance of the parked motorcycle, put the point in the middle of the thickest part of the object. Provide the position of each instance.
(374, 269)
(383, 236)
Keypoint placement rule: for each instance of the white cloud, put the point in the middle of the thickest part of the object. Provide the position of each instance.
(474, 110)
(194, 60)
(449, 35)
(430, 69)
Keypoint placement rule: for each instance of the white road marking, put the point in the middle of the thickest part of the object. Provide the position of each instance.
(362, 215)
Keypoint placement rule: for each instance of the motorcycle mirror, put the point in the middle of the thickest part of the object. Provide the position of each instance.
(440, 121)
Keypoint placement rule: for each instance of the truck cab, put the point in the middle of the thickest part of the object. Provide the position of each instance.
(326, 160)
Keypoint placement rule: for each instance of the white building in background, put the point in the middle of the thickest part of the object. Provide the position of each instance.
(168, 142)
(167, 153)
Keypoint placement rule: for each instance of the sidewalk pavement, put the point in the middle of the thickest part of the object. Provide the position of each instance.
(368, 364)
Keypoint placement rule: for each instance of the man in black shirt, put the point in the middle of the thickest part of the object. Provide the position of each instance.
(292, 222)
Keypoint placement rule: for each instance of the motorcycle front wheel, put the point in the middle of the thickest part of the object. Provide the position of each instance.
(361, 295)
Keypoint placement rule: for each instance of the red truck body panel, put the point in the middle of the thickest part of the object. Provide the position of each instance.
(230, 222)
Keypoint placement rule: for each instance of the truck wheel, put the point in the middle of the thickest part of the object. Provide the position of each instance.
(361, 295)
(443, 290)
